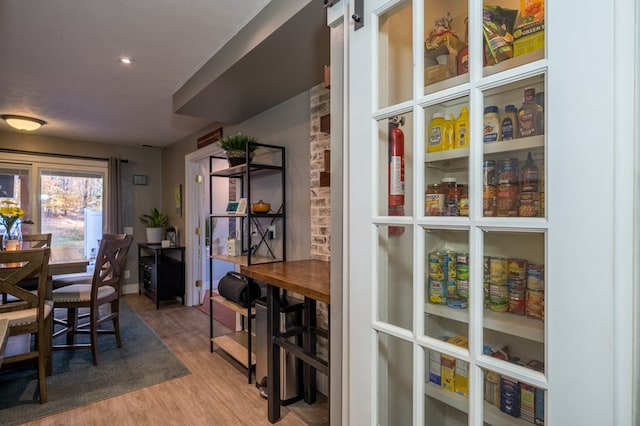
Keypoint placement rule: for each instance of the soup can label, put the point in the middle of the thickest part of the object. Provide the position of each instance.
(449, 265)
(452, 288)
(535, 304)
(498, 294)
(437, 292)
(462, 266)
(436, 271)
(463, 288)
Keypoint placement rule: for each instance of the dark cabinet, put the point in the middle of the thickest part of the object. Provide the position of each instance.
(161, 272)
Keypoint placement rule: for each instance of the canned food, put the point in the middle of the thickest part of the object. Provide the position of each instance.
(452, 288)
(486, 271)
(517, 301)
(517, 268)
(449, 265)
(462, 266)
(529, 204)
(463, 202)
(463, 288)
(508, 171)
(498, 270)
(535, 304)
(517, 284)
(457, 302)
(499, 307)
(437, 292)
(434, 200)
(535, 277)
(436, 271)
(498, 294)
(507, 200)
(489, 173)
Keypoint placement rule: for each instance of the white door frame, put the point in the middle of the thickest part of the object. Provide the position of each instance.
(193, 270)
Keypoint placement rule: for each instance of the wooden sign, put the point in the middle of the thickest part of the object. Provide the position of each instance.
(209, 138)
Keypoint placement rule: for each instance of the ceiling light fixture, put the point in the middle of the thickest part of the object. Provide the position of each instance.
(21, 122)
(126, 60)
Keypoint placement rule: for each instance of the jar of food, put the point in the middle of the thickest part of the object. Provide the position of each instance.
(489, 173)
(434, 200)
(491, 124)
(507, 200)
(509, 125)
(508, 171)
(489, 200)
(529, 205)
(463, 200)
(450, 197)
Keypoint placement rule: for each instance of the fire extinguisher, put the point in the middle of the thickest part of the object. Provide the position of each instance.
(396, 173)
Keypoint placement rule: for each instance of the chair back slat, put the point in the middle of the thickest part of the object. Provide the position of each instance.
(36, 240)
(110, 261)
(16, 266)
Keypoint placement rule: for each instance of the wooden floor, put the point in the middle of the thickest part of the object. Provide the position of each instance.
(214, 393)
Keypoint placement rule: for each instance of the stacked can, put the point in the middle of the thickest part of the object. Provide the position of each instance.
(535, 291)
(507, 190)
(489, 188)
(498, 289)
(485, 280)
(517, 284)
(442, 279)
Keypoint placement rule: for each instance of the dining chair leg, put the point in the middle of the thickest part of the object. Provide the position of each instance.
(42, 342)
(49, 344)
(72, 319)
(93, 329)
(115, 309)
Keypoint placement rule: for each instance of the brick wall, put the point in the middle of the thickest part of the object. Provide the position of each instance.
(320, 197)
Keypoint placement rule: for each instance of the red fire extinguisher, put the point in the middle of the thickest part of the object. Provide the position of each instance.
(396, 173)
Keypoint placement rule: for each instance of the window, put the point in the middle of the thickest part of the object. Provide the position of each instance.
(63, 196)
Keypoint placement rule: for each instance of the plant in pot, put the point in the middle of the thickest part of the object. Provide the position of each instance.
(235, 148)
(155, 222)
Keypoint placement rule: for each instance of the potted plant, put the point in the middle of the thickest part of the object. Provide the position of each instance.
(235, 148)
(155, 222)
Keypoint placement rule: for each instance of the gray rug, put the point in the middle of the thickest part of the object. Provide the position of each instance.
(142, 361)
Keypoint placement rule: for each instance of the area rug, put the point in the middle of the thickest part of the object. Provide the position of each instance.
(142, 361)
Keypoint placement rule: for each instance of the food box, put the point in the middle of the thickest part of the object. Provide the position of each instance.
(435, 73)
(528, 37)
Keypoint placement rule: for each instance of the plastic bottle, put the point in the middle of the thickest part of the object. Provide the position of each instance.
(461, 134)
(528, 114)
(540, 103)
(449, 139)
(491, 124)
(529, 177)
(436, 133)
(509, 127)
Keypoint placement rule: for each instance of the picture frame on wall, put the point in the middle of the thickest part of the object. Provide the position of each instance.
(177, 195)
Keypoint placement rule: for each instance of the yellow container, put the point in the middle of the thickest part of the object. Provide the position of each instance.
(436, 135)
(461, 133)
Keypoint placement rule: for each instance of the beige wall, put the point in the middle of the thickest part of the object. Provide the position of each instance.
(136, 199)
(287, 124)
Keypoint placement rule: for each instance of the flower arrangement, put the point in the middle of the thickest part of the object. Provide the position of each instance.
(10, 213)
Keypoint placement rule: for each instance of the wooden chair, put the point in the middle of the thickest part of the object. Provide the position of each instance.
(36, 240)
(30, 312)
(104, 288)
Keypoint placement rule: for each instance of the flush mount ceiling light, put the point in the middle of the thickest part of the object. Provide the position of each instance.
(21, 122)
(126, 60)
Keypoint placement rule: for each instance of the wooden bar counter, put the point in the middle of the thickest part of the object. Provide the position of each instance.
(311, 279)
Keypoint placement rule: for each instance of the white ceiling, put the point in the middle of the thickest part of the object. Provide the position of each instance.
(59, 62)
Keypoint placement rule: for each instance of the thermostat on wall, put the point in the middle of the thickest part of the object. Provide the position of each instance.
(139, 180)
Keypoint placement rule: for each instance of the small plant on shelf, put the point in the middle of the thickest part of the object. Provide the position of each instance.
(235, 148)
(155, 222)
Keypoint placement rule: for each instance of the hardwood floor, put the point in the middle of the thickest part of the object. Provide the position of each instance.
(215, 392)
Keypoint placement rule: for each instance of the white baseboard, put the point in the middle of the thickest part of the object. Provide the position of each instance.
(130, 288)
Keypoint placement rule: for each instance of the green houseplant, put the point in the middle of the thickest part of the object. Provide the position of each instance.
(155, 222)
(235, 148)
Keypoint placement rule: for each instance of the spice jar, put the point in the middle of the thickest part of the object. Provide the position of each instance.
(434, 200)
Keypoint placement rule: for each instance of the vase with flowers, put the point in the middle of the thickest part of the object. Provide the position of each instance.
(11, 216)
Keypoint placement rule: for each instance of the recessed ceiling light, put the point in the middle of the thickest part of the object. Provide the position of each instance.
(126, 60)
